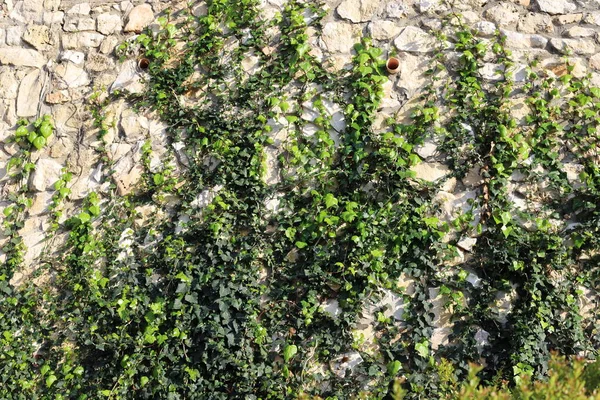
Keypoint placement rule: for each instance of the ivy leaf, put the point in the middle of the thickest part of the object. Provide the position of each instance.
(289, 352)
(50, 380)
(300, 245)
(422, 348)
(330, 200)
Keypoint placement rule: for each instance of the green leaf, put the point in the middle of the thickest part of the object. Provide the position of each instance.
(393, 367)
(84, 217)
(300, 245)
(289, 352)
(143, 381)
(39, 142)
(422, 348)
(50, 380)
(330, 200)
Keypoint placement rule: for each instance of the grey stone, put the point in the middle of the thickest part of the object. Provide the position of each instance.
(81, 40)
(76, 57)
(357, 10)
(556, 6)
(140, 17)
(592, 18)
(51, 18)
(594, 62)
(485, 28)
(98, 62)
(134, 126)
(129, 78)
(108, 45)
(29, 94)
(414, 39)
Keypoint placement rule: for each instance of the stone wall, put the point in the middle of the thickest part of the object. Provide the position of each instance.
(55, 54)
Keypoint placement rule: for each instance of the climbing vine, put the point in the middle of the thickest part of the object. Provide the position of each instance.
(259, 260)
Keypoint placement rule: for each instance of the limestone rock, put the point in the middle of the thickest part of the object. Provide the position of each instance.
(578, 32)
(430, 171)
(41, 202)
(411, 77)
(577, 46)
(80, 9)
(29, 95)
(70, 76)
(485, 28)
(592, 18)
(536, 23)
(503, 14)
(108, 45)
(569, 19)
(358, 10)
(414, 39)
(109, 23)
(21, 57)
(384, 30)
(128, 171)
(9, 87)
(140, 17)
(58, 97)
(134, 126)
(76, 57)
(98, 62)
(38, 36)
(556, 6)
(338, 37)
(516, 40)
(396, 10)
(14, 35)
(83, 40)
(79, 24)
(51, 18)
(129, 78)
(594, 62)
(46, 173)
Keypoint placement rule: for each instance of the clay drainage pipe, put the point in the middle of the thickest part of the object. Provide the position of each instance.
(143, 63)
(392, 65)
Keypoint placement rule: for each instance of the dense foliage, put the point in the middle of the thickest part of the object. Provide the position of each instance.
(157, 297)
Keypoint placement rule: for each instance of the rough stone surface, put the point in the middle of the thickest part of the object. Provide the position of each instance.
(29, 94)
(523, 41)
(38, 36)
(503, 14)
(109, 23)
(140, 17)
(21, 57)
(46, 173)
(536, 23)
(556, 6)
(415, 40)
(70, 76)
(577, 46)
(384, 30)
(338, 36)
(357, 10)
(595, 62)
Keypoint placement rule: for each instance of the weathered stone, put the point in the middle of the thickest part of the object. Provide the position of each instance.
(80, 9)
(358, 10)
(577, 46)
(70, 76)
(58, 97)
(134, 126)
(592, 18)
(411, 77)
(51, 18)
(503, 14)
(578, 32)
(47, 171)
(140, 17)
(41, 202)
(128, 171)
(76, 57)
(129, 78)
(522, 41)
(556, 6)
(72, 41)
(396, 10)
(33, 10)
(108, 45)
(338, 37)
(98, 62)
(79, 24)
(384, 30)
(9, 87)
(416, 40)
(430, 171)
(485, 28)
(594, 62)
(568, 19)
(38, 36)
(109, 23)
(14, 34)
(29, 95)
(536, 23)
